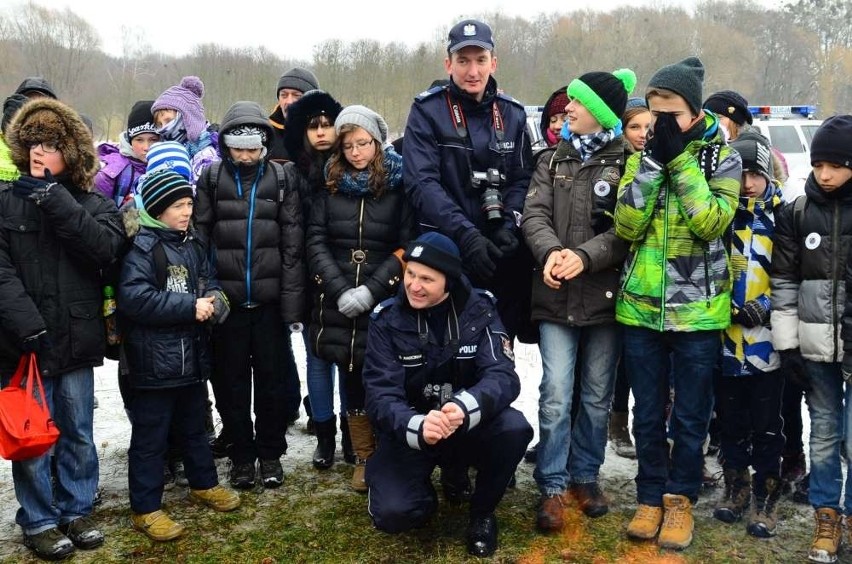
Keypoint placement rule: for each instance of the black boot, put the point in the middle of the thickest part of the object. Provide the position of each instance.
(326, 443)
(346, 442)
(311, 427)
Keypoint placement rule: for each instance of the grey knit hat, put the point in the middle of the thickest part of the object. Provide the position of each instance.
(299, 79)
(364, 117)
(685, 78)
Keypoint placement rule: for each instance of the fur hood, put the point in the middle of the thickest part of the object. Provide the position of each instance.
(45, 119)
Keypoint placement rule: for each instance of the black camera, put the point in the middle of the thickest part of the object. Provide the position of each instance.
(490, 201)
(436, 395)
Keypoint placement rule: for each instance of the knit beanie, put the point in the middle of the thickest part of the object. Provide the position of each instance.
(169, 155)
(10, 107)
(36, 84)
(245, 137)
(162, 189)
(729, 104)
(365, 118)
(685, 78)
(636, 102)
(140, 120)
(435, 251)
(185, 98)
(756, 153)
(557, 105)
(299, 79)
(832, 142)
(604, 94)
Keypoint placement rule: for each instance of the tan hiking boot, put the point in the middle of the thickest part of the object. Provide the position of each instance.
(678, 525)
(764, 515)
(363, 443)
(646, 522)
(157, 525)
(217, 498)
(826, 541)
(550, 517)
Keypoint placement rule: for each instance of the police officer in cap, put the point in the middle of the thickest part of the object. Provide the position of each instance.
(468, 163)
(439, 377)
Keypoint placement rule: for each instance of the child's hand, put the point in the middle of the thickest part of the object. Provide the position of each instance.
(668, 141)
(204, 308)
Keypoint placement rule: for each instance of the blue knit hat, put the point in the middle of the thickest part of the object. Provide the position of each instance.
(436, 251)
(169, 155)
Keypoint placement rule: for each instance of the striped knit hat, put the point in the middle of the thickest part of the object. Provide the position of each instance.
(169, 155)
(604, 94)
(162, 189)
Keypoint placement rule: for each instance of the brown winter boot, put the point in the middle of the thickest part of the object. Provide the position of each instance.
(363, 443)
(737, 496)
(619, 435)
(764, 516)
(827, 532)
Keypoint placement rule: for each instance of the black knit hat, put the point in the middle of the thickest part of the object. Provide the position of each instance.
(685, 78)
(435, 251)
(10, 107)
(161, 189)
(36, 84)
(729, 104)
(298, 79)
(140, 120)
(832, 142)
(604, 94)
(756, 153)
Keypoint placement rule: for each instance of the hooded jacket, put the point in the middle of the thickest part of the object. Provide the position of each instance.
(676, 276)
(277, 148)
(51, 255)
(120, 171)
(809, 261)
(252, 219)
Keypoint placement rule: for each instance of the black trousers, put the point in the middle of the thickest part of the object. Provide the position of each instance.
(249, 352)
(401, 494)
(750, 422)
(154, 412)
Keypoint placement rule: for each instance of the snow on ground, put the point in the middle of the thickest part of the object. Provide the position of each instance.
(112, 437)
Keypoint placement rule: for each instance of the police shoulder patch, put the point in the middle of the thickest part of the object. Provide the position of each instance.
(506, 97)
(507, 347)
(429, 93)
(487, 294)
(380, 307)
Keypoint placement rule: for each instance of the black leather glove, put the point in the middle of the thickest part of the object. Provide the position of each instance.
(752, 314)
(37, 343)
(480, 255)
(505, 240)
(668, 141)
(33, 189)
(793, 366)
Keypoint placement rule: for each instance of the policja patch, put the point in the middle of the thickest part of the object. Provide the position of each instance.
(507, 348)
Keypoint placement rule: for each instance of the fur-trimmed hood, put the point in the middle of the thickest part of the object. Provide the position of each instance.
(45, 119)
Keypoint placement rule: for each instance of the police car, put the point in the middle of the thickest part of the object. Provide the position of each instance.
(790, 130)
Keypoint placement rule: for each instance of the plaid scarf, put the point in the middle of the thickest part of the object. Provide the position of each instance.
(590, 143)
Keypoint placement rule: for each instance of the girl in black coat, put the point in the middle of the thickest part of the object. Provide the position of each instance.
(356, 236)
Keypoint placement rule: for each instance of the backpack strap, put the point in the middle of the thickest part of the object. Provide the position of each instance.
(278, 170)
(708, 159)
(161, 264)
(798, 213)
(215, 173)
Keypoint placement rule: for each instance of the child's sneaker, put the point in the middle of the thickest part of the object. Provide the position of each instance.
(271, 473)
(242, 475)
(157, 525)
(50, 544)
(217, 498)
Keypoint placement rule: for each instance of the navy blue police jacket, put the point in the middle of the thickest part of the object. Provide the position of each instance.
(165, 346)
(405, 366)
(438, 160)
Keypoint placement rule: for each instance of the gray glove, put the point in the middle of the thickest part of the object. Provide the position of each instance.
(221, 306)
(364, 298)
(346, 303)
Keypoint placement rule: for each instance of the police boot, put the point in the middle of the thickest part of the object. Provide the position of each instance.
(364, 444)
(326, 432)
(619, 435)
(345, 441)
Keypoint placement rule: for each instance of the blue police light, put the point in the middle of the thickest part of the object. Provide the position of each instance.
(783, 112)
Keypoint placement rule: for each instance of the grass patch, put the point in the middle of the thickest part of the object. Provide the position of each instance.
(315, 518)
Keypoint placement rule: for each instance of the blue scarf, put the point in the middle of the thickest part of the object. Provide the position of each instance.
(358, 184)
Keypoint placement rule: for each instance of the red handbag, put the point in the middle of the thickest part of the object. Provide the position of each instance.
(26, 429)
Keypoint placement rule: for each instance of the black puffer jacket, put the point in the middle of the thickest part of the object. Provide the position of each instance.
(253, 225)
(50, 261)
(339, 225)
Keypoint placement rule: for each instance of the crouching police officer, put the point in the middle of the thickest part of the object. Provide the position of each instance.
(439, 376)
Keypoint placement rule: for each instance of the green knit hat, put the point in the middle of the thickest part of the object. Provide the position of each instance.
(604, 94)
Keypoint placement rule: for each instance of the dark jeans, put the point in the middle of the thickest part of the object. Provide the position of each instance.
(153, 413)
(751, 424)
(650, 356)
(249, 354)
(401, 494)
(791, 411)
(353, 386)
(621, 395)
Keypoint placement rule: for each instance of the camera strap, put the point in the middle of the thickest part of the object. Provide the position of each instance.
(460, 124)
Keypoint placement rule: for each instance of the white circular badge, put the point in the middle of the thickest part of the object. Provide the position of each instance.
(602, 188)
(812, 241)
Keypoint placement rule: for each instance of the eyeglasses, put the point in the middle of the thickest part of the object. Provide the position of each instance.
(46, 146)
(360, 145)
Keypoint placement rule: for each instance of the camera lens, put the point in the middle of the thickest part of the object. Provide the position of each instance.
(491, 204)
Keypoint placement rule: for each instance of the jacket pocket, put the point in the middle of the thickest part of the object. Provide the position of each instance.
(173, 357)
(86, 330)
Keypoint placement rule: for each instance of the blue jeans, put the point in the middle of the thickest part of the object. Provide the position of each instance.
(71, 399)
(587, 443)
(320, 379)
(828, 417)
(653, 360)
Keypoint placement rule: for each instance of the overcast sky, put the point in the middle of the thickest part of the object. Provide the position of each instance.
(291, 28)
